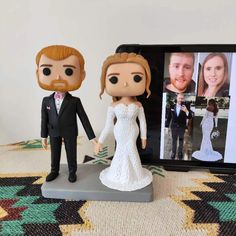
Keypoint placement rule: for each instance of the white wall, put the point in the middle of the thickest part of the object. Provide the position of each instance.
(96, 28)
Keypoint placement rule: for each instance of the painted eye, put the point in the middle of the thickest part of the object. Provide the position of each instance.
(46, 71)
(68, 71)
(137, 78)
(113, 79)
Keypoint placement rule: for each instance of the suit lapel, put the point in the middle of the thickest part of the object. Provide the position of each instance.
(52, 104)
(64, 103)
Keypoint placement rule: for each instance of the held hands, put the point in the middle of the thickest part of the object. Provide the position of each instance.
(94, 141)
(97, 148)
(44, 142)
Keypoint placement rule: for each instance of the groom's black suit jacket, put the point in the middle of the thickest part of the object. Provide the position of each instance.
(63, 124)
(177, 121)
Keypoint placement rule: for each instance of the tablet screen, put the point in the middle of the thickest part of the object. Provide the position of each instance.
(196, 103)
(191, 112)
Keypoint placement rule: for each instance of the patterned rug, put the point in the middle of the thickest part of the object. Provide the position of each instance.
(209, 208)
(23, 210)
(33, 144)
(185, 203)
(211, 205)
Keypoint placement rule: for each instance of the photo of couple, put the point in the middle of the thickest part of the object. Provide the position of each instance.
(195, 105)
(209, 70)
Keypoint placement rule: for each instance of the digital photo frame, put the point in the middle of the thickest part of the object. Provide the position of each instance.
(191, 112)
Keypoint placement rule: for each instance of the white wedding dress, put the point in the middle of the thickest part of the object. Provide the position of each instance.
(206, 152)
(125, 172)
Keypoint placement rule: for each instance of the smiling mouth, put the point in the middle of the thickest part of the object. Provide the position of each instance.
(213, 80)
(180, 80)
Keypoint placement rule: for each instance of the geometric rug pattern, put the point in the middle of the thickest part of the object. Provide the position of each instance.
(211, 205)
(33, 144)
(103, 158)
(23, 210)
(191, 203)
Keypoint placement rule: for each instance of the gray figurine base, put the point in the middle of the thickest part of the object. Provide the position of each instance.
(89, 187)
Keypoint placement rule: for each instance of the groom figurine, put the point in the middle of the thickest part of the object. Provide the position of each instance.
(61, 69)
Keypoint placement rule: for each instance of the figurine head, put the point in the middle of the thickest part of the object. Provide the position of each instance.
(60, 68)
(125, 74)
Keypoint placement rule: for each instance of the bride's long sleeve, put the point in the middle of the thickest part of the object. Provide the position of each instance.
(143, 124)
(109, 124)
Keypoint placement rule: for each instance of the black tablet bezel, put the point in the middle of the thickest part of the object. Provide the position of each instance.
(179, 165)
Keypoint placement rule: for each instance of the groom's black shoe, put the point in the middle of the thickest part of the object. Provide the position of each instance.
(72, 177)
(51, 176)
(172, 156)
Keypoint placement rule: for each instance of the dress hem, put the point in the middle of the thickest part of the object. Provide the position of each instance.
(216, 156)
(127, 186)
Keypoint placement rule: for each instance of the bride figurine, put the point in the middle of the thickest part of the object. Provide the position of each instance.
(125, 76)
(206, 152)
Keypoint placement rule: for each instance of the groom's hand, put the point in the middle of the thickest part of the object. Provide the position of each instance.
(44, 142)
(94, 141)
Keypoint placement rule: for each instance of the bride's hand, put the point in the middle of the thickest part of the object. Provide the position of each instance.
(144, 143)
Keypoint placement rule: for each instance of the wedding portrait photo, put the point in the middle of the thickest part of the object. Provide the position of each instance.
(178, 126)
(210, 128)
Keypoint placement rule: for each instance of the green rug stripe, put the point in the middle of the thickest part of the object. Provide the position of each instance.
(100, 162)
(157, 173)
(155, 168)
(32, 146)
(40, 213)
(227, 210)
(7, 192)
(104, 151)
(24, 201)
(12, 228)
(231, 196)
(101, 156)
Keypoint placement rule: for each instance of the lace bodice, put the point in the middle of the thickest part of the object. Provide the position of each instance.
(209, 116)
(125, 114)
